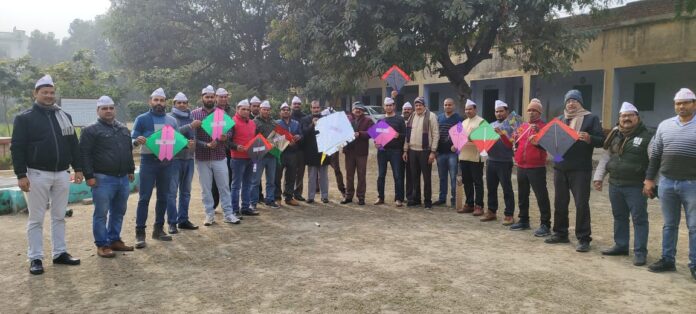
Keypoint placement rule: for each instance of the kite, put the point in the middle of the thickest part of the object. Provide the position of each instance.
(395, 77)
(166, 143)
(510, 125)
(458, 135)
(382, 133)
(279, 142)
(258, 147)
(556, 138)
(335, 131)
(217, 123)
(484, 137)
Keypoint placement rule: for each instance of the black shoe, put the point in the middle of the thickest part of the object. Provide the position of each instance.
(36, 267)
(159, 234)
(140, 238)
(519, 226)
(173, 229)
(693, 272)
(439, 202)
(662, 266)
(346, 201)
(249, 212)
(555, 238)
(273, 205)
(66, 259)
(325, 200)
(639, 260)
(615, 251)
(310, 201)
(583, 246)
(428, 205)
(300, 198)
(238, 214)
(413, 204)
(543, 231)
(187, 225)
(361, 202)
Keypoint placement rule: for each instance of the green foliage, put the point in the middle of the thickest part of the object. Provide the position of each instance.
(685, 6)
(80, 78)
(136, 108)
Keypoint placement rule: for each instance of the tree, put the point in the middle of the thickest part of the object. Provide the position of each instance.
(685, 6)
(370, 36)
(89, 35)
(17, 79)
(212, 41)
(80, 78)
(45, 49)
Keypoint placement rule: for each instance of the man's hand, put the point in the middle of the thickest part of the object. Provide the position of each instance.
(131, 177)
(356, 134)
(499, 131)
(241, 148)
(431, 158)
(394, 93)
(196, 124)
(295, 138)
(585, 137)
(190, 144)
(453, 149)
(648, 187)
(92, 182)
(223, 138)
(78, 177)
(212, 144)
(405, 157)
(140, 140)
(597, 185)
(23, 184)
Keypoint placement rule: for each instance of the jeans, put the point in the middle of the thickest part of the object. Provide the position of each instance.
(675, 194)
(323, 173)
(500, 172)
(153, 172)
(629, 201)
(182, 175)
(213, 173)
(47, 187)
(447, 164)
(242, 174)
(288, 164)
(267, 165)
(393, 157)
(534, 178)
(472, 179)
(576, 182)
(110, 197)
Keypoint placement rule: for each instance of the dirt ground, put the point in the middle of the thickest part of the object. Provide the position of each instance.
(360, 259)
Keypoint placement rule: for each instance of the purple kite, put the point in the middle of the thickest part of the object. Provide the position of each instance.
(458, 136)
(382, 133)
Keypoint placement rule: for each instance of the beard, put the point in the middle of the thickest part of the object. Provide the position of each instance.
(158, 109)
(209, 105)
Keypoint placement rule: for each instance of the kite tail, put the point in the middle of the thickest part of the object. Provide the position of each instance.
(483, 154)
(323, 156)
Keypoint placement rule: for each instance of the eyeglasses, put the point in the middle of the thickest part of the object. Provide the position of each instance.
(533, 110)
(628, 115)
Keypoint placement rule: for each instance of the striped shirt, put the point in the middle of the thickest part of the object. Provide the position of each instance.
(674, 151)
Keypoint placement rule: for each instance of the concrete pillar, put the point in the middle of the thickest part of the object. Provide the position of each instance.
(607, 98)
(526, 91)
(384, 92)
(421, 90)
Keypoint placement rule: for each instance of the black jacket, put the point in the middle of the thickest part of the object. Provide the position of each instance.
(106, 149)
(312, 156)
(579, 156)
(37, 143)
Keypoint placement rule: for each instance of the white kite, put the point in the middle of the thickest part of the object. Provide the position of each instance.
(335, 131)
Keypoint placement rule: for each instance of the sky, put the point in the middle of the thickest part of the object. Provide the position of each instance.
(48, 15)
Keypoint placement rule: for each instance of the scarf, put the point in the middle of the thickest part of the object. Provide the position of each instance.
(574, 119)
(181, 114)
(66, 127)
(426, 129)
(625, 132)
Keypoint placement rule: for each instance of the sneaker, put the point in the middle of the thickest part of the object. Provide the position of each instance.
(519, 226)
(273, 205)
(231, 219)
(583, 246)
(325, 200)
(615, 251)
(556, 238)
(543, 231)
(399, 203)
(508, 220)
(140, 238)
(250, 212)
(209, 220)
(428, 205)
(662, 266)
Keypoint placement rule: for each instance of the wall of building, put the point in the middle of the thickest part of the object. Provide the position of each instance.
(551, 90)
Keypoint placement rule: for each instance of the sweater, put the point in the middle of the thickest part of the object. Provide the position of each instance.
(399, 125)
(502, 149)
(183, 119)
(444, 144)
(674, 151)
(415, 141)
(469, 151)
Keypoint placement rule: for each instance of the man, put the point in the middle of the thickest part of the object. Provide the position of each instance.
(406, 111)
(335, 164)
(288, 159)
(356, 155)
(264, 126)
(44, 146)
(419, 151)
(222, 102)
(255, 107)
(391, 153)
(626, 159)
(447, 153)
(574, 173)
(242, 168)
(471, 164)
(182, 170)
(672, 157)
(153, 172)
(298, 116)
(107, 153)
(499, 169)
(531, 172)
(211, 163)
(312, 157)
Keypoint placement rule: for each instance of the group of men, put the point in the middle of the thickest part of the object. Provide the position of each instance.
(45, 146)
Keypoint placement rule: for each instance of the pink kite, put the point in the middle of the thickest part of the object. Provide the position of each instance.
(458, 136)
(382, 133)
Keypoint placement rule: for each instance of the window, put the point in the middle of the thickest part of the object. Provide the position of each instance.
(434, 102)
(644, 96)
(366, 100)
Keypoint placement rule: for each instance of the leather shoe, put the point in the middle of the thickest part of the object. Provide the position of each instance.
(615, 251)
(583, 247)
(467, 209)
(555, 239)
(478, 210)
(346, 201)
(300, 198)
(640, 260)
(361, 202)
(173, 229)
(439, 202)
(413, 204)
(36, 267)
(66, 259)
(379, 202)
(249, 212)
(292, 202)
(399, 203)
(187, 225)
(105, 251)
(119, 246)
(489, 216)
(693, 272)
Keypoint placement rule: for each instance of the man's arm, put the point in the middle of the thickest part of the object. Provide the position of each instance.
(20, 138)
(86, 147)
(596, 133)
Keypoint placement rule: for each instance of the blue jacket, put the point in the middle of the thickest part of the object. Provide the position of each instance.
(148, 123)
(294, 128)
